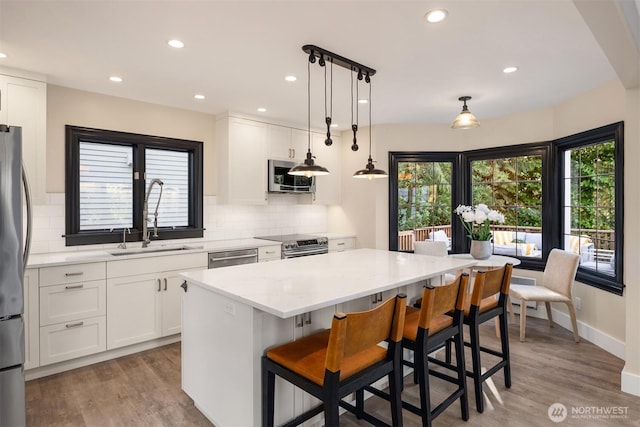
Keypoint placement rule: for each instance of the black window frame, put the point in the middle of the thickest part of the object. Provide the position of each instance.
(552, 188)
(396, 157)
(76, 134)
(615, 132)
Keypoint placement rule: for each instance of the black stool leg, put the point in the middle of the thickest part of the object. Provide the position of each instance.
(504, 340)
(268, 394)
(462, 376)
(475, 359)
(422, 370)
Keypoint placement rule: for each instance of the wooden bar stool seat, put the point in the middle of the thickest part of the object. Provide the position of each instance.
(334, 363)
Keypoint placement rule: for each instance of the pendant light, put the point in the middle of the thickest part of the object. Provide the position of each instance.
(328, 114)
(308, 168)
(465, 119)
(370, 171)
(354, 123)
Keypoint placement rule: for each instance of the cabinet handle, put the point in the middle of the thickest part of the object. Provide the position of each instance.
(184, 286)
(74, 287)
(294, 153)
(340, 244)
(73, 325)
(76, 273)
(299, 321)
(159, 285)
(307, 318)
(165, 283)
(374, 298)
(380, 297)
(269, 252)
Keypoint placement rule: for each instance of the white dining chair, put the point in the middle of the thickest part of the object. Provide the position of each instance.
(434, 248)
(557, 280)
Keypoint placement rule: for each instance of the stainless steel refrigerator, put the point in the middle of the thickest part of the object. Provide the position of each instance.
(12, 262)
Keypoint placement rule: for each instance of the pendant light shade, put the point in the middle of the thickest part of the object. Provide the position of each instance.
(465, 119)
(308, 168)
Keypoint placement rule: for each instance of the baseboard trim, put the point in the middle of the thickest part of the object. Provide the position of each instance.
(630, 382)
(80, 362)
(606, 342)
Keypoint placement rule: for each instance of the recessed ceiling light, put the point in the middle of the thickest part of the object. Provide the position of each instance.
(115, 79)
(3, 55)
(508, 70)
(198, 96)
(436, 15)
(291, 78)
(363, 101)
(262, 109)
(176, 43)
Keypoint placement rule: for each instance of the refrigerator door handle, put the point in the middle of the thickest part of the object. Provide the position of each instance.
(27, 243)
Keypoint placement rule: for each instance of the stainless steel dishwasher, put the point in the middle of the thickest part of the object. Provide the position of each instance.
(237, 257)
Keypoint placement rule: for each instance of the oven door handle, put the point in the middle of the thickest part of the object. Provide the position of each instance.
(300, 253)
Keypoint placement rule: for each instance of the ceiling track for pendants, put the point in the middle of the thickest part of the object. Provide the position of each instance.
(338, 60)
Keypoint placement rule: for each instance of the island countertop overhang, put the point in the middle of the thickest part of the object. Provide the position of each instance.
(287, 288)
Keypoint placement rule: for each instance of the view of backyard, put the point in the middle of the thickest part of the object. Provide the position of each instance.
(513, 186)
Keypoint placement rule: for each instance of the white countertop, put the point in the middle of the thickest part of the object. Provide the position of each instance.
(78, 257)
(286, 288)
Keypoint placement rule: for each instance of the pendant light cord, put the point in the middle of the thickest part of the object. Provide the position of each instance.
(330, 92)
(370, 118)
(309, 105)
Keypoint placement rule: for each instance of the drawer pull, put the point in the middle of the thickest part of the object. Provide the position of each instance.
(159, 285)
(341, 244)
(269, 252)
(75, 273)
(74, 287)
(73, 325)
(165, 283)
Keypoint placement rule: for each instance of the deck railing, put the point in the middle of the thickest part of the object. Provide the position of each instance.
(602, 239)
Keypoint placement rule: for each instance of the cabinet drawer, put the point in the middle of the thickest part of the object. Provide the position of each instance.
(69, 340)
(72, 273)
(269, 253)
(76, 301)
(337, 245)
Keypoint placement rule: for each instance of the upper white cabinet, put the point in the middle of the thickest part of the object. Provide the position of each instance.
(328, 187)
(23, 102)
(287, 143)
(242, 161)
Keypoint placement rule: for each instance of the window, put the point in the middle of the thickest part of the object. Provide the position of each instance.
(107, 179)
(564, 194)
(512, 186)
(424, 198)
(590, 205)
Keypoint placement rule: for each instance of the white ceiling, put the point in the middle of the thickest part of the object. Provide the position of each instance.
(237, 53)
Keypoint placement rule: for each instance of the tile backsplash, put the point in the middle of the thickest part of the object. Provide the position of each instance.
(282, 215)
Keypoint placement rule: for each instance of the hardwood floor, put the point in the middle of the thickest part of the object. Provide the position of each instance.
(144, 389)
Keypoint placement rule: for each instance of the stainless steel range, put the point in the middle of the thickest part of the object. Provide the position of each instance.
(297, 245)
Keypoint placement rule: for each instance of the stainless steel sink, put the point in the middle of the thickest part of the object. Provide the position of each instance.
(152, 250)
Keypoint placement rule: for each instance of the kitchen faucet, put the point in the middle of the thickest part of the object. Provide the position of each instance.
(145, 213)
(123, 244)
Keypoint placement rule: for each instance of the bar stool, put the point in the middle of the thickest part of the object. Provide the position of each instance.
(488, 300)
(439, 320)
(336, 362)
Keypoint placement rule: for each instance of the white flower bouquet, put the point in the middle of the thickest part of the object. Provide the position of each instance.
(477, 220)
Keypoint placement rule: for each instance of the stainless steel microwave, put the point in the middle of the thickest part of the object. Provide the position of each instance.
(281, 182)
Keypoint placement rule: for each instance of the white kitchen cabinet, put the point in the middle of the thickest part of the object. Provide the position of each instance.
(342, 244)
(242, 161)
(23, 102)
(142, 307)
(328, 187)
(31, 320)
(72, 308)
(285, 143)
(269, 253)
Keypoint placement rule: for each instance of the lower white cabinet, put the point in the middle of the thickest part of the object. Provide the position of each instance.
(72, 310)
(142, 307)
(342, 244)
(269, 253)
(68, 340)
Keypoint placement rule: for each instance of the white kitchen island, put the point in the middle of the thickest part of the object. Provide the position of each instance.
(232, 314)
